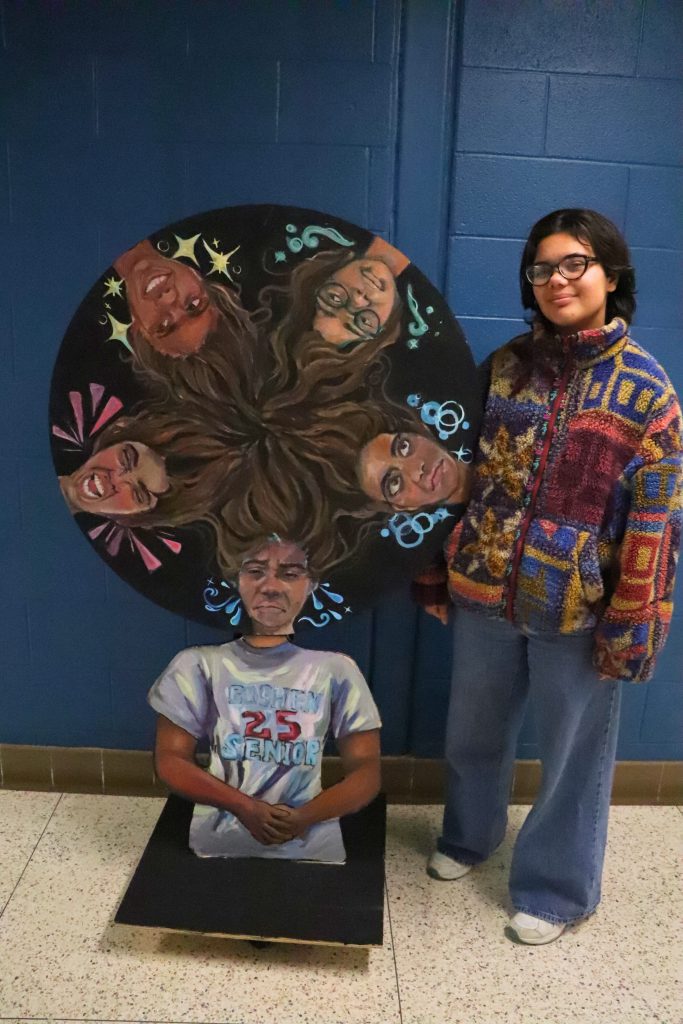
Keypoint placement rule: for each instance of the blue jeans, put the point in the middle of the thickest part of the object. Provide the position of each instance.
(558, 857)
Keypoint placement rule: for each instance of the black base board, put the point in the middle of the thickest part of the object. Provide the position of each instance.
(276, 900)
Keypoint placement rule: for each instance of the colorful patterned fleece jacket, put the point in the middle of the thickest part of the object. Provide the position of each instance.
(575, 516)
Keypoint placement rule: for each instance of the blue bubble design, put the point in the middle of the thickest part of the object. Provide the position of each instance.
(410, 530)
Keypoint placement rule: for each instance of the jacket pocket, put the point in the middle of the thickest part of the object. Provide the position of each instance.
(559, 584)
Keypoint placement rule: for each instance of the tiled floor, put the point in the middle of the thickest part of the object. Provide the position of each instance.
(65, 862)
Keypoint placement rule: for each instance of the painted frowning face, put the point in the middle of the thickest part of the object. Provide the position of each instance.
(410, 472)
(577, 305)
(356, 302)
(274, 584)
(123, 479)
(169, 304)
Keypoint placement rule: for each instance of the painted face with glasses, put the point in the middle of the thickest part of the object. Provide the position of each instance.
(356, 302)
(570, 285)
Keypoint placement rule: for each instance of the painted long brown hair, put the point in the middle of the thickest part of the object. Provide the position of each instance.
(197, 460)
(295, 346)
(297, 476)
(225, 369)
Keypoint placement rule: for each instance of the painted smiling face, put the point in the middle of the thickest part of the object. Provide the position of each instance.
(168, 301)
(274, 584)
(572, 305)
(124, 479)
(356, 302)
(410, 472)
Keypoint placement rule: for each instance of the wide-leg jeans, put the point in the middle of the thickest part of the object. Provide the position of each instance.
(558, 857)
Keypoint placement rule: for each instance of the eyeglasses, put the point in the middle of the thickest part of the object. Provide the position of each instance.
(571, 268)
(335, 296)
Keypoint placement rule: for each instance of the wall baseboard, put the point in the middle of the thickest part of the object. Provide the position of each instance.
(406, 780)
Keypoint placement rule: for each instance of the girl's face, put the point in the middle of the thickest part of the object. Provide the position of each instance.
(578, 305)
(122, 479)
(170, 305)
(356, 302)
(409, 472)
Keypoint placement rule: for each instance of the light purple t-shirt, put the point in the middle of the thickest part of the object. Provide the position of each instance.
(266, 712)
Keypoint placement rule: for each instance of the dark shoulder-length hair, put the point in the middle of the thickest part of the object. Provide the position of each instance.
(223, 370)
(295, 345)
(607, 243)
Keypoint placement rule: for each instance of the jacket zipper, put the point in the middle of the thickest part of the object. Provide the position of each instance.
(538, 468)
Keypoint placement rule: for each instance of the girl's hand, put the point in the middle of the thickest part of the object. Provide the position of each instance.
(263, 822)
(439, 611)
(294, 820)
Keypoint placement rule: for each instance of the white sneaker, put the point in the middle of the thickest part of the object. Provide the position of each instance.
(533, 931)
(445, 868)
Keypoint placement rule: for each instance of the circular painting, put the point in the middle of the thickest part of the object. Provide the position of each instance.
(261, 371)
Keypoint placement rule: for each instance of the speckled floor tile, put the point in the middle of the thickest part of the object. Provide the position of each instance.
(23, 816)
(454, 963)
(64, 959)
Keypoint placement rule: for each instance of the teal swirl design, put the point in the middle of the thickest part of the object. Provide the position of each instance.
(310, 237)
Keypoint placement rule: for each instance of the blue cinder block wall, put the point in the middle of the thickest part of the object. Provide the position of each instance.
(447, 128)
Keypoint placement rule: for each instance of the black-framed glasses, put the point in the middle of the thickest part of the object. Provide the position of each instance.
(570, 267)
(334, 296)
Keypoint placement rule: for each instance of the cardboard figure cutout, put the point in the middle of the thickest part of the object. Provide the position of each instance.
(260, 370)
(266, 707)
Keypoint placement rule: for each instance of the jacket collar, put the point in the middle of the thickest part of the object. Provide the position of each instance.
(585, 347)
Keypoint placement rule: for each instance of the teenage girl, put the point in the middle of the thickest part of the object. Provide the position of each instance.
(561, 571)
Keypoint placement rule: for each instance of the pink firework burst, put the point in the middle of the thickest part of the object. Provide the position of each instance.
(113, 535)
(88, 417)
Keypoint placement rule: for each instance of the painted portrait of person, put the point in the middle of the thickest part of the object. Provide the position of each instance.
(265, 394)
(267, 706)
(189, 337)
(411, 471)
(121, 479)
(153, 469)
(358, 298)
(338, 306)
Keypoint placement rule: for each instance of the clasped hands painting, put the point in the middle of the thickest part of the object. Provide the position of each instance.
(258, 371)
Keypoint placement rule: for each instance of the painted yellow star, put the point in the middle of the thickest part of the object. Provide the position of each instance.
(220, 260)
(112, 286)
(186, 248)
(119, 331)
(215, 243)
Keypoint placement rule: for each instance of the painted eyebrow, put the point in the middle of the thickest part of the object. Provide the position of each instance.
(143, 495)
(384, 484)
(262, 564)
(394, 445)
(133, 454)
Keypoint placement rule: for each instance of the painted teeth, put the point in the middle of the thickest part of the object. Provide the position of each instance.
(94, 486)
(153, 283)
